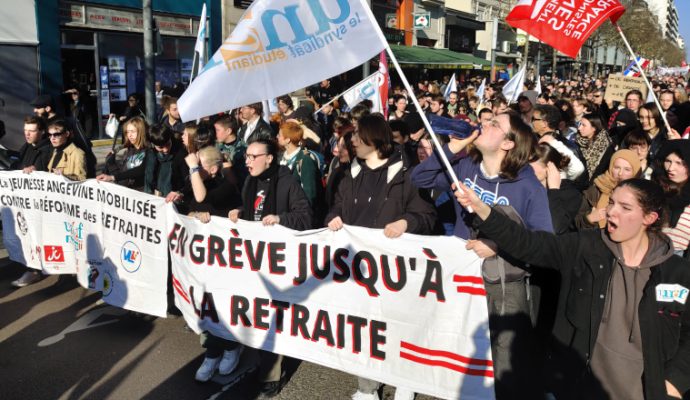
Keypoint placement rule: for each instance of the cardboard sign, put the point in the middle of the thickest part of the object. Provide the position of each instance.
(618, 85)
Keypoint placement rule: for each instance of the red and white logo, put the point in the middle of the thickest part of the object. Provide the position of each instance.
(53, 254)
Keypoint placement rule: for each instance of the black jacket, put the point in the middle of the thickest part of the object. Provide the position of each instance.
(30, 155)
(397, 198)
(564, 204)
(585, 264)
(261, 131)
(292, 206)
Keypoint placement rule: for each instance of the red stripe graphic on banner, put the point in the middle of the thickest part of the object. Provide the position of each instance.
(472, 290)
(447, 354)
(182, 294)
(468, 279)
(178, 288)
(444, 364)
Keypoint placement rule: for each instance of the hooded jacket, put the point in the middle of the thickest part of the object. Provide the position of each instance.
(376, 197)
(588, 282)
(524, 193)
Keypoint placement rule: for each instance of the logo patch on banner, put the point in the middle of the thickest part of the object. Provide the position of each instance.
(130, 257)
(75, 234)
(54, 254)
(21, 224)
(668, 293)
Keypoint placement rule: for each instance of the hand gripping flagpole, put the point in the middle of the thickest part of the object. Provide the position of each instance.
(649, 86)
(427, 125)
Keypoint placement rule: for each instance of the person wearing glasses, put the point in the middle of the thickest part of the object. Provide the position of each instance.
(271, 195)
(545, 120)
(497, 168)
(65, 158)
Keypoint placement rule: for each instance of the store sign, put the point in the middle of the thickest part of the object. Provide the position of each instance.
(394, 35)
(422, 20)
(87, 16)
(392, 21)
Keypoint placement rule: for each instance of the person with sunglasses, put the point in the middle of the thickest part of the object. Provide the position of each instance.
(65, 158)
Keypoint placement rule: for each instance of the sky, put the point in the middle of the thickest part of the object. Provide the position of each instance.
(683, 7)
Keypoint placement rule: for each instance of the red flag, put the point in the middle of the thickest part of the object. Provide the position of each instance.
(385, 83)
(565, 25)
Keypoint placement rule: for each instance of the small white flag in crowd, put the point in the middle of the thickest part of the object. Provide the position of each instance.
(280, 46)
(367, 89)
(515, 86)
(200, 46)
(452, 87)
(480, 91)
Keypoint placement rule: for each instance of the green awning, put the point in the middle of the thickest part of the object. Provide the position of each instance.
(438, 58)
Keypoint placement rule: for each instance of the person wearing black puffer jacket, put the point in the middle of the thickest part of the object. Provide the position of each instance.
(377, 192)
(623, 326)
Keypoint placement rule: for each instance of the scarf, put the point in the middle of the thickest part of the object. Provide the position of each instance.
(58, 152)
(249, 193)
(158, 173)
(606, 182)
(593, 150)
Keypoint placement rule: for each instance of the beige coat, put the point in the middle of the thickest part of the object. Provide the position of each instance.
(72, 164)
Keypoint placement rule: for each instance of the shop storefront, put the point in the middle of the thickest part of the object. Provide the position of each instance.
(102, 55)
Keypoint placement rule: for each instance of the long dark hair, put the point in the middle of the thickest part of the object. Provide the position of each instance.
(544, 153)
(521, 134)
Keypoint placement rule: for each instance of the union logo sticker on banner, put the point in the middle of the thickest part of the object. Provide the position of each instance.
(565, 25)
(109, 236)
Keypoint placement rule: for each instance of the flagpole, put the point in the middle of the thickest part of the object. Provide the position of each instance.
(407, 85)
(644, 76)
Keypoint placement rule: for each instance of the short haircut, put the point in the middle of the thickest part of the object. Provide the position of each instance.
(285, 99)
(160, 135)
(551, 114)
(271, 147)
(59, 124)
(293, 131)
(636, 137)
(634, 92)
(401, 126)
(440, 100)
(359, 111)
(228, 121)
(374, 131)
(34, 120)
(205, 136)
(257, 107)
(484, 111)
(170, 101)
(211, 155)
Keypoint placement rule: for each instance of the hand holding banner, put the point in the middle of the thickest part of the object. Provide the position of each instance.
(564, 25)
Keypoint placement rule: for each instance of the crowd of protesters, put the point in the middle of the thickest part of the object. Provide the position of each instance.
(580, 210)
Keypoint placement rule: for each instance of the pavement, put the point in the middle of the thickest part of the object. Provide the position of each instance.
(60, 341)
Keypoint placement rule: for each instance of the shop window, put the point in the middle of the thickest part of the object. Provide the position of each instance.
(70, 37)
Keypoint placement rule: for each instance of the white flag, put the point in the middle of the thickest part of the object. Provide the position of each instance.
(480, 91)
(367, 89)
(200, 46)
(537, 88)
(515, 85)
(452, 87)
(280, 46)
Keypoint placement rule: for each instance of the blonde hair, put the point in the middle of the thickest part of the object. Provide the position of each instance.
(211, 155)
(140, 142)
(190, 129)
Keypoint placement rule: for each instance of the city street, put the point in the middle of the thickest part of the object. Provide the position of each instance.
(58, 341)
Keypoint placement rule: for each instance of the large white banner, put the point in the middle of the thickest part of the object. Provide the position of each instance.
(409, 312)
(111, 237)
(280, 46)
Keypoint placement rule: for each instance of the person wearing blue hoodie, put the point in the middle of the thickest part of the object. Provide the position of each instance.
(497, 169)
